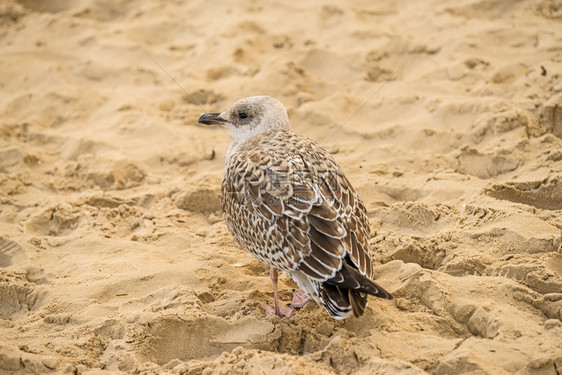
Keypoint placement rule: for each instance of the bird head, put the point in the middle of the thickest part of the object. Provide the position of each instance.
(250, 116)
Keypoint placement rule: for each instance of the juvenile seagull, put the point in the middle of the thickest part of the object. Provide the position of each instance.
(288, 203)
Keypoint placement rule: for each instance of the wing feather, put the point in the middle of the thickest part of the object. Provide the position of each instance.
(298, 235)
(324, 211)
(311, 272)
(326, 257)
(274, 204)
(330, 228)
(326, 243)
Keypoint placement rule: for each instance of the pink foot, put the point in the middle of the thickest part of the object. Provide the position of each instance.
(284, 311)
(300, 299)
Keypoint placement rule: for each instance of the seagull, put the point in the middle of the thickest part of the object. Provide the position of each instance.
(288, 203)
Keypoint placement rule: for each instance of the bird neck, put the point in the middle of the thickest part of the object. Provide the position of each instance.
(243, 134)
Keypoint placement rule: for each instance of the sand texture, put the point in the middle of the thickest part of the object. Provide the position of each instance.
(114, 256)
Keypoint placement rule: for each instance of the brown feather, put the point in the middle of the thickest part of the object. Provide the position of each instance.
(304, 192)
(326, 243)
(332, 229)
(265, 211)
(273, 203)
(358, 302)
(324, 211)
(352, 279)
(298, 205)
(299, 235)
(336, 296)
(310, 272)
(330, 259)
(319, 267)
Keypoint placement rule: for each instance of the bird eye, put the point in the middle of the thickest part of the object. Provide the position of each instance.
(243, 115)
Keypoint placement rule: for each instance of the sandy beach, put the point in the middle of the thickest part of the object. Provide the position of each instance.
(446, 116)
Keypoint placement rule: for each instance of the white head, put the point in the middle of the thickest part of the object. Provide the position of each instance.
(250, 116)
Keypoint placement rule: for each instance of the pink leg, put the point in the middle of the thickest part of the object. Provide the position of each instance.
(278, 310)
(274, 275)
(300, 299)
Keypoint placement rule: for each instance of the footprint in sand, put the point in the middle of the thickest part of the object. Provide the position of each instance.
(10, 253)
(540, 194)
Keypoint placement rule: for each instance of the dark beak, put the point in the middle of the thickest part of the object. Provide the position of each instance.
(211, 119)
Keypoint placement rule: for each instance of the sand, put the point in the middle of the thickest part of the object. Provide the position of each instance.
(113, 252)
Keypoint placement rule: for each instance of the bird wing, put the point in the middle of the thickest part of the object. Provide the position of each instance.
(301, 200)
(338, 222)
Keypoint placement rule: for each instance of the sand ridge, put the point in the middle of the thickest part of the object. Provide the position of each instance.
(113, 253)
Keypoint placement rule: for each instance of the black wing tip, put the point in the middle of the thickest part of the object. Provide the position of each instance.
(379, 291)
(384, 294)
(341, 302)
(349, 278)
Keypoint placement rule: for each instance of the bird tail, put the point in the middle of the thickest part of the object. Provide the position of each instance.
(346, 293)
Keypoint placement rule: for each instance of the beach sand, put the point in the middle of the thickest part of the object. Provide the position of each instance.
(113, 252)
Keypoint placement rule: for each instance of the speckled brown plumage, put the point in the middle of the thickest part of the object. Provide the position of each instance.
(288, 203)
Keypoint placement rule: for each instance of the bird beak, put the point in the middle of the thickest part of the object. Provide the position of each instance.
(211, 119)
